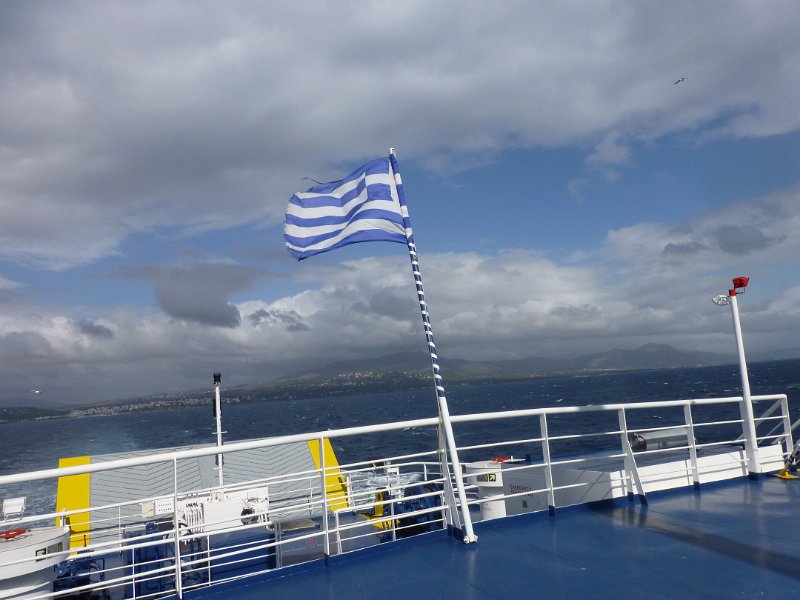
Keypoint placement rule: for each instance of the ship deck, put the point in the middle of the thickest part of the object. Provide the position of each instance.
(738, 538)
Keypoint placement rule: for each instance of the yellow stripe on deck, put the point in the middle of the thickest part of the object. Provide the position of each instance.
(73, 494)
(335, 486)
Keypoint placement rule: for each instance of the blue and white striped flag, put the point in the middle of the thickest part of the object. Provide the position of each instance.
(362, 207)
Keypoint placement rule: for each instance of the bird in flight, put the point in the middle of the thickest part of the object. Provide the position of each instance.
(679, 80)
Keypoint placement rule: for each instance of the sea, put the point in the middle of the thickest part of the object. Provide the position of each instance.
(35, 445)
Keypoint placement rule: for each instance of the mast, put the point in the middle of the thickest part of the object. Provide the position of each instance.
(748, 420)
(445, 425)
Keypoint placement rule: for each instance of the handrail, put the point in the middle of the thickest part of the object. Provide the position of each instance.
(353, 431)
(212, 450)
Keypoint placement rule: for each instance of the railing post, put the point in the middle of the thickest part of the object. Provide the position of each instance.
(327, 545)
(208, 556)
(631, 470)
(788, 443)
(623, 427)
(133, 572)
(635, 472)
(391, 508)
(687, 415)
(548, 470)
(338, 532)
(176, 527)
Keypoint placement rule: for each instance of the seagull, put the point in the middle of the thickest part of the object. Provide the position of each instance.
(679, 80)
(36, 391)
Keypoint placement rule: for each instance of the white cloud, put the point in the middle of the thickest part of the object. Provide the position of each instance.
(510, 305)
(742, 233)
(609, 153)
(128, 118)
(7, 284)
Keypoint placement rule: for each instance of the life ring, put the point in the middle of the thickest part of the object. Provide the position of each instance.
(10, 534)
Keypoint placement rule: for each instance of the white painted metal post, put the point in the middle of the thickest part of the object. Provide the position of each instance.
(326, 543)
(453, 518)
(548, 470)
(748, 425)
(390, 497)
(687, 415)
(218, 416)
(623, 427)
(133, 572)
(338, 532)
(444, 412)
(787, 427)
(632, 478)
(469, 535)
(176, 526)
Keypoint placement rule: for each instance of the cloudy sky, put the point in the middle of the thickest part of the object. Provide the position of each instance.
(566, 195)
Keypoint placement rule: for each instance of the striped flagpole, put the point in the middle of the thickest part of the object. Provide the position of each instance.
(444, 413)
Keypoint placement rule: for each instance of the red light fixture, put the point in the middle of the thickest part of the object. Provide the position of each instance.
(739, 283)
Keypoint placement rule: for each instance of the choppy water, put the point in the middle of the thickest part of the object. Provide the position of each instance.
(37, 445)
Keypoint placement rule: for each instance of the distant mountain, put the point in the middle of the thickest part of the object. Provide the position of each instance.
(399, 362)
(393, 372)
(651, 356)
(417, 365)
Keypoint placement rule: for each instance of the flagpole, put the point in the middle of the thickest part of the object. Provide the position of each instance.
(444, 413)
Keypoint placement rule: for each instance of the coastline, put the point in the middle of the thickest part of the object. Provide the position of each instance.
(341, 385)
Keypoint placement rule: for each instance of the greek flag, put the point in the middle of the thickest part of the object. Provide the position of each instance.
(362, 207)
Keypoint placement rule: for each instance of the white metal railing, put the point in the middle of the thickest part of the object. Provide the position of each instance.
(133, 556)
(631, 478)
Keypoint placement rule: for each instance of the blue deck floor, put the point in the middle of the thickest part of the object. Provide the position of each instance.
(738, 539)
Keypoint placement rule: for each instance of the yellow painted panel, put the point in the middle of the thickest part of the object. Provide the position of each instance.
(73, 494)
(335, 485)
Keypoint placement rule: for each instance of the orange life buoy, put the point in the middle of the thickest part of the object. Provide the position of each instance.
(10, 534)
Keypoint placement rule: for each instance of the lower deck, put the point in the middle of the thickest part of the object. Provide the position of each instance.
(739, 538)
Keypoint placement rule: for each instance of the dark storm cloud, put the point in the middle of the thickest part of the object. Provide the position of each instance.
(395, 303)
(585, 312)
(741, 240)
(198, 292)
(197, 303)
(292, 320)
(24, 345)
(684, 249)
(193, 296)
(92, 329)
